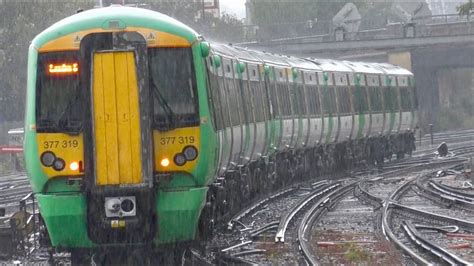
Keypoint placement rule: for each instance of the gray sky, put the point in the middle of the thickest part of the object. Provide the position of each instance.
(235, 7)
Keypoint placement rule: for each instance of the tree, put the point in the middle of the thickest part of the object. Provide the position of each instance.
(227, 28)
(465, 9)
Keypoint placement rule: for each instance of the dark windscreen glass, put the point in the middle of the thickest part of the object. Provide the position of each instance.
(173, 82)
(59, 100)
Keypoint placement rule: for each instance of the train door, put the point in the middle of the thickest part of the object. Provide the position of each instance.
(236, 114)
(286, 121)
(293, 116)
(329, 107)
(376, 108)
(300, 111)
(306, 96)
(116, 126)
(411, 84)
(344, 106)
(248, 101)
(264, 80)
(220, 111)
(276, 127)
(405, 103)
(315, 127)
(119, 159)
(361, 107)
(389, 104)
(395, 91)
(259, 106)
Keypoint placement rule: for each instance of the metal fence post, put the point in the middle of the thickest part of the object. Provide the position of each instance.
(431, 133)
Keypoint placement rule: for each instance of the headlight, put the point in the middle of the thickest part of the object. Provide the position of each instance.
(47, 158)
(190, 153)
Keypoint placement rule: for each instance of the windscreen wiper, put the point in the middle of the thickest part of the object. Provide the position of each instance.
(65, 122)
(164, 104)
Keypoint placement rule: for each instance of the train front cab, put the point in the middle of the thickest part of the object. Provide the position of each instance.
(112, 154)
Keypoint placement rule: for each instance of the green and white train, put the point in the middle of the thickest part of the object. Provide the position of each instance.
(134, 122)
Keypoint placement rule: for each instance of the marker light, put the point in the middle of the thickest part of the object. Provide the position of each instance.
(74, 166)
(59, 164)
(179, 159)
(165, 162)
(63, 68)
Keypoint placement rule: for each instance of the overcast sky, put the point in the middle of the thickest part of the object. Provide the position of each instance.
(236, 7)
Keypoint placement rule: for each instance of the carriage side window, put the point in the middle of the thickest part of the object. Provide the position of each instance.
(272, 90)
(264, 100)
(299, 99)
(375, 99)
(405, 97)
(390, 99)
(173, 81)
(360, 100)
(284, 98)
(414, 97)
(313, 99)
(59, 99)
(214, 94)
(258, 85)
(245, 101)
(233, 100)
(329, 100)
(344, 100)
(226, 115)
(258, 102)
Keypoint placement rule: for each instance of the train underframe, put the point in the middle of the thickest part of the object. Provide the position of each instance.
(240, 186)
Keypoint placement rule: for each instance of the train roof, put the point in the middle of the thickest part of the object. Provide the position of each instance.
(363, 67)
(100, 18)
(390, 69)
(331, 65)
(311, 64)
(259, 57)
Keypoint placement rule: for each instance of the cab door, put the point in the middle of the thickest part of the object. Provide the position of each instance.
(116, 114)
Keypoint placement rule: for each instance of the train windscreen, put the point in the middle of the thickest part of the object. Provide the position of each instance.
(173, 82)
(59, 104)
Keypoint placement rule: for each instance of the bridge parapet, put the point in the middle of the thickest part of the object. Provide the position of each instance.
(420, 27)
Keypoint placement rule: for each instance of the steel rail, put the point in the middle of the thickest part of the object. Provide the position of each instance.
(437, 194)
(246, 211)
(361, 189)
(458, 191)
(431, 247)
(256, 232)
(451, 193)
(310, 217)
(236, 246)
(249, 252)
(387, 231)
(285, 220)
(467, 225)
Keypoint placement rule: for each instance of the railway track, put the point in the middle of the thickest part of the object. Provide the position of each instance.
(343, 222)
(408, 211)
